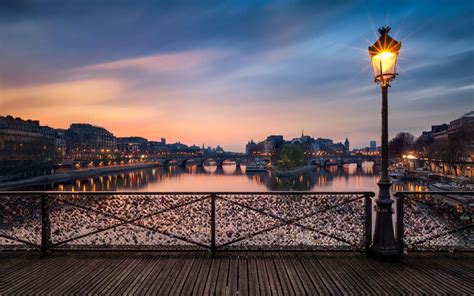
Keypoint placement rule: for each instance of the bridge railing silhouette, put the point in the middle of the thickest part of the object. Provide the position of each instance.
(435, 221)
(214, 221)
(186, 221)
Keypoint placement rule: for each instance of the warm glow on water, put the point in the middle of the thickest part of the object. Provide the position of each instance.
(228, 178)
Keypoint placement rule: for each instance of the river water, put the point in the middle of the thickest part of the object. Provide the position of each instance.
(228, 178)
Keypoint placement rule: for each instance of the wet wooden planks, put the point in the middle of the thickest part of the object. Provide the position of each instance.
(234, 273)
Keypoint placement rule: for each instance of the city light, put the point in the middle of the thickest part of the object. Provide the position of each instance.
(384, 54)
(384, 61)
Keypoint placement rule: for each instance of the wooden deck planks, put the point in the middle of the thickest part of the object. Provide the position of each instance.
(234, 273)
(233, 277)
(222, 276)
(273, 280)
(315, 276)
(193, 275)
(203, 275)
(159, 279)
(243, 280)
(159, 263)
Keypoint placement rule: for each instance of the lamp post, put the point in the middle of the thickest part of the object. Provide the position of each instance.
(384, 53)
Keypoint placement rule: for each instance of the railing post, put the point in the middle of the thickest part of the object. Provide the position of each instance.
(368, 225)
(400, 224)
(45, 226)
(213, 224)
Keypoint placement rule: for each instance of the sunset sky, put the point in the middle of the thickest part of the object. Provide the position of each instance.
(225, 72)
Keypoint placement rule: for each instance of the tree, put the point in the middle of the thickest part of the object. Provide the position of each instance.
(422, 143)
(401, 144)
(456, 150)
(290, 156)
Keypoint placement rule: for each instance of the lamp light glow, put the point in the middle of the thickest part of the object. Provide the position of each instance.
(384, 54)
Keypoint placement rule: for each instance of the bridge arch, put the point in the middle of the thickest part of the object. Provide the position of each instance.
(182, 162)
(220, 161)
(331, 161)
(314, 161)
(352, 160)
(167, 161)
(200, 162)
(374, 162)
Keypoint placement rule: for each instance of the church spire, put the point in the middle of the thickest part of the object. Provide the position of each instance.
(302, 133)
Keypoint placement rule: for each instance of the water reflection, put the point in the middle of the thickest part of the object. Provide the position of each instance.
(229, 178)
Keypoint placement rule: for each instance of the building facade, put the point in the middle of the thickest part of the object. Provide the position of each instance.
(89, 142)
(373, 145)
(26, 140)
(251, 146)
(132, 146)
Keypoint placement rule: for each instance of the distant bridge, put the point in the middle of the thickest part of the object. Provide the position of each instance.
(340, 160)
(240, 158)
(199, 160)
(219, 158)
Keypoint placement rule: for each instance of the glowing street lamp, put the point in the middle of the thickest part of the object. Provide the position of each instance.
(384, 54)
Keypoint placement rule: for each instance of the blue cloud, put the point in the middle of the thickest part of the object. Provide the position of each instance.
(299, 52)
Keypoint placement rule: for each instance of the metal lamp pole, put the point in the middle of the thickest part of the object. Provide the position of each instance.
(384, 54)
(384, 238)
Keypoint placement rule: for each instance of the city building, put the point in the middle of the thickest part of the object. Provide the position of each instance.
(439, 132)
(373, 145)
(319, 146)
(270, 145)
(219, 150)
(60, 145)
(27, 149)
(158, 148)
(467, 120)
(443, 131)
(89, 142)
(26, 140)
(178, 146)
(251, 146)
(132, 146)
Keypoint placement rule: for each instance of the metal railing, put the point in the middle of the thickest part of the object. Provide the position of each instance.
(435, 221)
(186, 221)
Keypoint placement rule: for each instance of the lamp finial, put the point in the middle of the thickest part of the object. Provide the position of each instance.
(384, 30)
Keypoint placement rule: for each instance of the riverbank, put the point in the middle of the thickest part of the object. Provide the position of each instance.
(74, 175)
(427, 175)
(292, 173)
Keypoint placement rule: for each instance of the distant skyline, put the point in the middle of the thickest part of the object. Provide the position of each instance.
(286, 137)
(225, 72)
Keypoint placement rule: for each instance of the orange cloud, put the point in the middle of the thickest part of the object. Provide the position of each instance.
(157, 62)
(78, 92)
(59, 104)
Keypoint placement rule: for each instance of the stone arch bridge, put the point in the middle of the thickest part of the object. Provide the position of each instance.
(325, 161)
(240, 158)
(199, 160)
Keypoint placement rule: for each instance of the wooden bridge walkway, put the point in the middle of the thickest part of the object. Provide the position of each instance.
(256, 273)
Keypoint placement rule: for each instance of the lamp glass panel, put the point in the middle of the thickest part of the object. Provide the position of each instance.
(384, 63)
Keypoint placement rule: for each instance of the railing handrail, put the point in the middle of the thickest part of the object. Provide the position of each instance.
(400, 193)
(367, 193)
